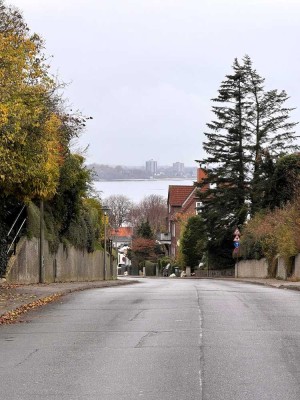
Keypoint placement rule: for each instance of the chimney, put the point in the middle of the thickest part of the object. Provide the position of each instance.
(201, 175)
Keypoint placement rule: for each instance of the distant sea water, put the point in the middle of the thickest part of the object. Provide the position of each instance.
(136, 190)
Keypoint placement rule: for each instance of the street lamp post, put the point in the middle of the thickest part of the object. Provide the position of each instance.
(106, 210)
(104, 277)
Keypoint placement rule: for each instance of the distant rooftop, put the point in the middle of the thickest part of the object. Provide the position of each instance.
(179, 193)
(123, 231)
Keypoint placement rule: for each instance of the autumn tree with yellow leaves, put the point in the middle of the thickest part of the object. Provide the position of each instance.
(35, 128)
(30, 127)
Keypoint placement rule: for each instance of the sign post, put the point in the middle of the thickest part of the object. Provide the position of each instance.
(236, 243)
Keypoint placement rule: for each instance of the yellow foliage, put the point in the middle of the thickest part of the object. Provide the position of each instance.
(277, 233)
(30, 142)
(54, 158)
(3, 114)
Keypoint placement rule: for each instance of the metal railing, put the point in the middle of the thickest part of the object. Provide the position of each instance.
(11, 244)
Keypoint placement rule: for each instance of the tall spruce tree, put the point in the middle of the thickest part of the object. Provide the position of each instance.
(271, 132)
(227, 161)
(251, 130)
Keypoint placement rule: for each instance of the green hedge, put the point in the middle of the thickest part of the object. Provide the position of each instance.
(83, 231)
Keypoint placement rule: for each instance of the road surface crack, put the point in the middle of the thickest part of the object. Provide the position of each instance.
(27, 357)
(136, 315)
(144, 338)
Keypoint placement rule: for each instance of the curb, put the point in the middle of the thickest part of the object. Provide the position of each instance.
(280, 286)
(289, 287)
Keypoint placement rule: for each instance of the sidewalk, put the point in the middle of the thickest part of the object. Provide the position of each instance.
(277, 283)
(17, 300)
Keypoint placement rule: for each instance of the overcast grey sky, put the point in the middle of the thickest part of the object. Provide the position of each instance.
(147, 69)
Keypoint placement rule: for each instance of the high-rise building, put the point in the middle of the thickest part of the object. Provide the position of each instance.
(178, 168)
(151, 166)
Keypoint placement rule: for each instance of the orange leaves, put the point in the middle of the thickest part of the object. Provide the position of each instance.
(277, 232)
(143, 249)
(12, 316)
(140, 244)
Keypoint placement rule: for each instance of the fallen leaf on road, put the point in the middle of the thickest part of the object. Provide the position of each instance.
(11, 317)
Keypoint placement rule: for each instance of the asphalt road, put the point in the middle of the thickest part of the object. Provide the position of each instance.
(160, 339)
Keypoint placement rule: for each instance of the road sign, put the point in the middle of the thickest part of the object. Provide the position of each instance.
(237, 232)
(236, 240)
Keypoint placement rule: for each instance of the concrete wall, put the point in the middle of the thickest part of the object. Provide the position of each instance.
(67, 265)
(297, 267)
(281, 269)
(251, 269)
(259, 269)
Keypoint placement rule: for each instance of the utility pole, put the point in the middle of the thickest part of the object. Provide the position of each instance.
(104, 277)
(41, 247)
(106, 210)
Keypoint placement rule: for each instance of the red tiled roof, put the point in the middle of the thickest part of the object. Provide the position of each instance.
(122, 231)
(178, 194)
(189, 200)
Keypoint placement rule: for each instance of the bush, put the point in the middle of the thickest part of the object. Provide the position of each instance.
(193, 242)
(83, 231)
(33, 220)
(273, 234)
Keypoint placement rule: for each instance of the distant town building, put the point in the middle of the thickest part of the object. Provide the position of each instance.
(183, 202)
(178, 168)
(151, 167)
(121, 236)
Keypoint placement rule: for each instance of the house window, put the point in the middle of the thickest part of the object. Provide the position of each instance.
(173, 230)
(199, 206)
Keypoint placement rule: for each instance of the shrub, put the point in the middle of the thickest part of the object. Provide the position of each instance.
(273, 234)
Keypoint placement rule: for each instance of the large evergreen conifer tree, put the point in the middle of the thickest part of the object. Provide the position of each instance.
(224, 202)
(250, 131)
(271, 132)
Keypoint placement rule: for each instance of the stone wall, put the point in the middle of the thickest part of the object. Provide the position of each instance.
(67, 265)
(259, 269)
(251, 269)
(297, 266)
(281, 269)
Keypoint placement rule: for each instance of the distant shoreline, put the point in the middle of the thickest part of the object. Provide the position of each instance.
(137, 189)
(146, 180)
